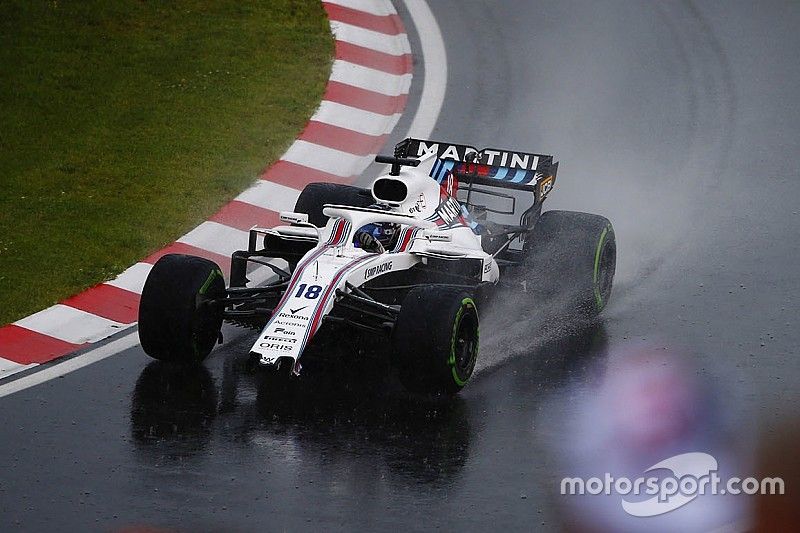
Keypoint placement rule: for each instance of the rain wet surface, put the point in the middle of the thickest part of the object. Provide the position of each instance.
(678, 123)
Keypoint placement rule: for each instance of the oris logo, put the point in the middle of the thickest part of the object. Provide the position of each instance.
(276, 346)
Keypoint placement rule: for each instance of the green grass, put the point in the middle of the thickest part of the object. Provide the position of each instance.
(123, 124)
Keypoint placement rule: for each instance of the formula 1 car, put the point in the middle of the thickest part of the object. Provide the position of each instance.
(397, 271)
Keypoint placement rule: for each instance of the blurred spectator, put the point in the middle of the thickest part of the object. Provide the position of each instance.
(647, 405)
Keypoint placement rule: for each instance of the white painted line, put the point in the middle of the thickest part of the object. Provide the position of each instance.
(8, 368)
(369, 6)
(217, 238)
(395, 45)
(336, 162)
(70, 365)
(133, 278)
(370, 79)
(70, 324)
(435, 60)
(270, 195)
(355, 119)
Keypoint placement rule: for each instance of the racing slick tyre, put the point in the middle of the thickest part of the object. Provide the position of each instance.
(316, 195)
(175, 324)
(570, 260)
(435, 339)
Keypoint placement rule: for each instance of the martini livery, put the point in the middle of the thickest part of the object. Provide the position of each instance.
(397, 271)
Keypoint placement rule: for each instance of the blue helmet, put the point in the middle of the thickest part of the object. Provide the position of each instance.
(383, 232)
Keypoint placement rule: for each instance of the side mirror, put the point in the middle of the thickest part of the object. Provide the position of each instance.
(293, 218)
(436, 236)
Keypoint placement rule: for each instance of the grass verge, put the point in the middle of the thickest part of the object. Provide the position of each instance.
(124, 124)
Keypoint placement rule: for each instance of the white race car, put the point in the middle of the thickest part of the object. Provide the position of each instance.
(396, 271)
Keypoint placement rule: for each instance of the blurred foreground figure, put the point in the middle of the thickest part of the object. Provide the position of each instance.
(647, 422)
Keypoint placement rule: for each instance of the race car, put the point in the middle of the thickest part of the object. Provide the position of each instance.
(397, 271)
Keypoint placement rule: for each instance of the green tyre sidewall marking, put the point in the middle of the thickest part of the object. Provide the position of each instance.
(215, 273)
(203, 288)
(465, 304)
(597, 296)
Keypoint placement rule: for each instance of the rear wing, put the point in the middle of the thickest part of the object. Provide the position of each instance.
(488, 166)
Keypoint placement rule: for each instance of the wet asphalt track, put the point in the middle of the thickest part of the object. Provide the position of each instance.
(678, 122)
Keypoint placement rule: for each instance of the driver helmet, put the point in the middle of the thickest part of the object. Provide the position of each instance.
(383, 232)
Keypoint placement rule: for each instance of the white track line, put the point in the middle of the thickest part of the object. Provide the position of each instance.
(70, 365)
(435, 61)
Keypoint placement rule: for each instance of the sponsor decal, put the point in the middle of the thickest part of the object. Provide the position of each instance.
(295, 311)
(487, 156)
(419, 205)
(445, 151)
(545, 186)
(487, 267)
(284, 331)
(295, 323)
(275, 346)
(448, 211)
(278, 339)
(293, 218)
(451, 187)
(377, 269)
(433, 236)
(690, 475)
(296, 318)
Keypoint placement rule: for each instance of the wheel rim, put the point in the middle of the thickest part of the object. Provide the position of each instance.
(608, 260)
(465, 347)
(208, 319)
(604, 265)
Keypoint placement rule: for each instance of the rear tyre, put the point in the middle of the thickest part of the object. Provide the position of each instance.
(316, 195)
(435, 339)
(175, 322)
(570, 259)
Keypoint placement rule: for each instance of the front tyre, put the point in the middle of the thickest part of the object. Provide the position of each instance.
(435, 339)
(176, 324)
